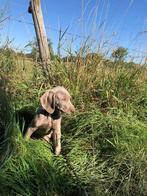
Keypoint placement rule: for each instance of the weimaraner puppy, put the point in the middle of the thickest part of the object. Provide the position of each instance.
(47, 121)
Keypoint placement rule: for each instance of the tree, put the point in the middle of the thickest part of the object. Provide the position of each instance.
(35, 49)
(119, 54)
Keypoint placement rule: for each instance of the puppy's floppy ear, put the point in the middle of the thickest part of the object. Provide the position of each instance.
(48, 101)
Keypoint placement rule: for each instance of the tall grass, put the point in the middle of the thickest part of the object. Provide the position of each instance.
(107, 152)
(32, 170)
(102, 155)
(103, 144)
(103, 83)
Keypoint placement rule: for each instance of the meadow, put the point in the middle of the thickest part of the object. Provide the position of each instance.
(103, 144)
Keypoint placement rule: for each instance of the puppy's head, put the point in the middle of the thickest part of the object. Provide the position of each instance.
(59, 98)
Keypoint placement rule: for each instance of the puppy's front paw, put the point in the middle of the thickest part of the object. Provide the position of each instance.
(57, 150)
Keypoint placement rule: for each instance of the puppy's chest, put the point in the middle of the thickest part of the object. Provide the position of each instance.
(45, 120)
(44, 125)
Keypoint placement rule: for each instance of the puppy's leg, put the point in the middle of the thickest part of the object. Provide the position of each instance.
(48, 137)
(57, 136)
(29, 132)
(38, 121)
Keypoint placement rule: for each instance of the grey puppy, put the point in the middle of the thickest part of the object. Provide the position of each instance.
(47, 121)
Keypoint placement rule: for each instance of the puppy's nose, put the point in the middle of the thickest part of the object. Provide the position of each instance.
(72, 109)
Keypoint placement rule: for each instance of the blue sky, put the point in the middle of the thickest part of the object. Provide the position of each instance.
(107, 23)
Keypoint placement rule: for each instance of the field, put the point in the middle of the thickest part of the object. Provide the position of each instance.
(103, 144)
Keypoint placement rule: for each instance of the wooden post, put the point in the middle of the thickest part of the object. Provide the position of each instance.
(35, 10)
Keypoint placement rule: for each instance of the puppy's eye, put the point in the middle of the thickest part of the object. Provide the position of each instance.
(64, 99)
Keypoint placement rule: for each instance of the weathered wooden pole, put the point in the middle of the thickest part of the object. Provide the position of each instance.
(35, 10)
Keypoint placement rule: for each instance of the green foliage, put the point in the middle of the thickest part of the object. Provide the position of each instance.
(7, 60)
(107, 152)
(33, 170)
(5, 119)
(102, 155)
(119, 54)
(103, 143)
